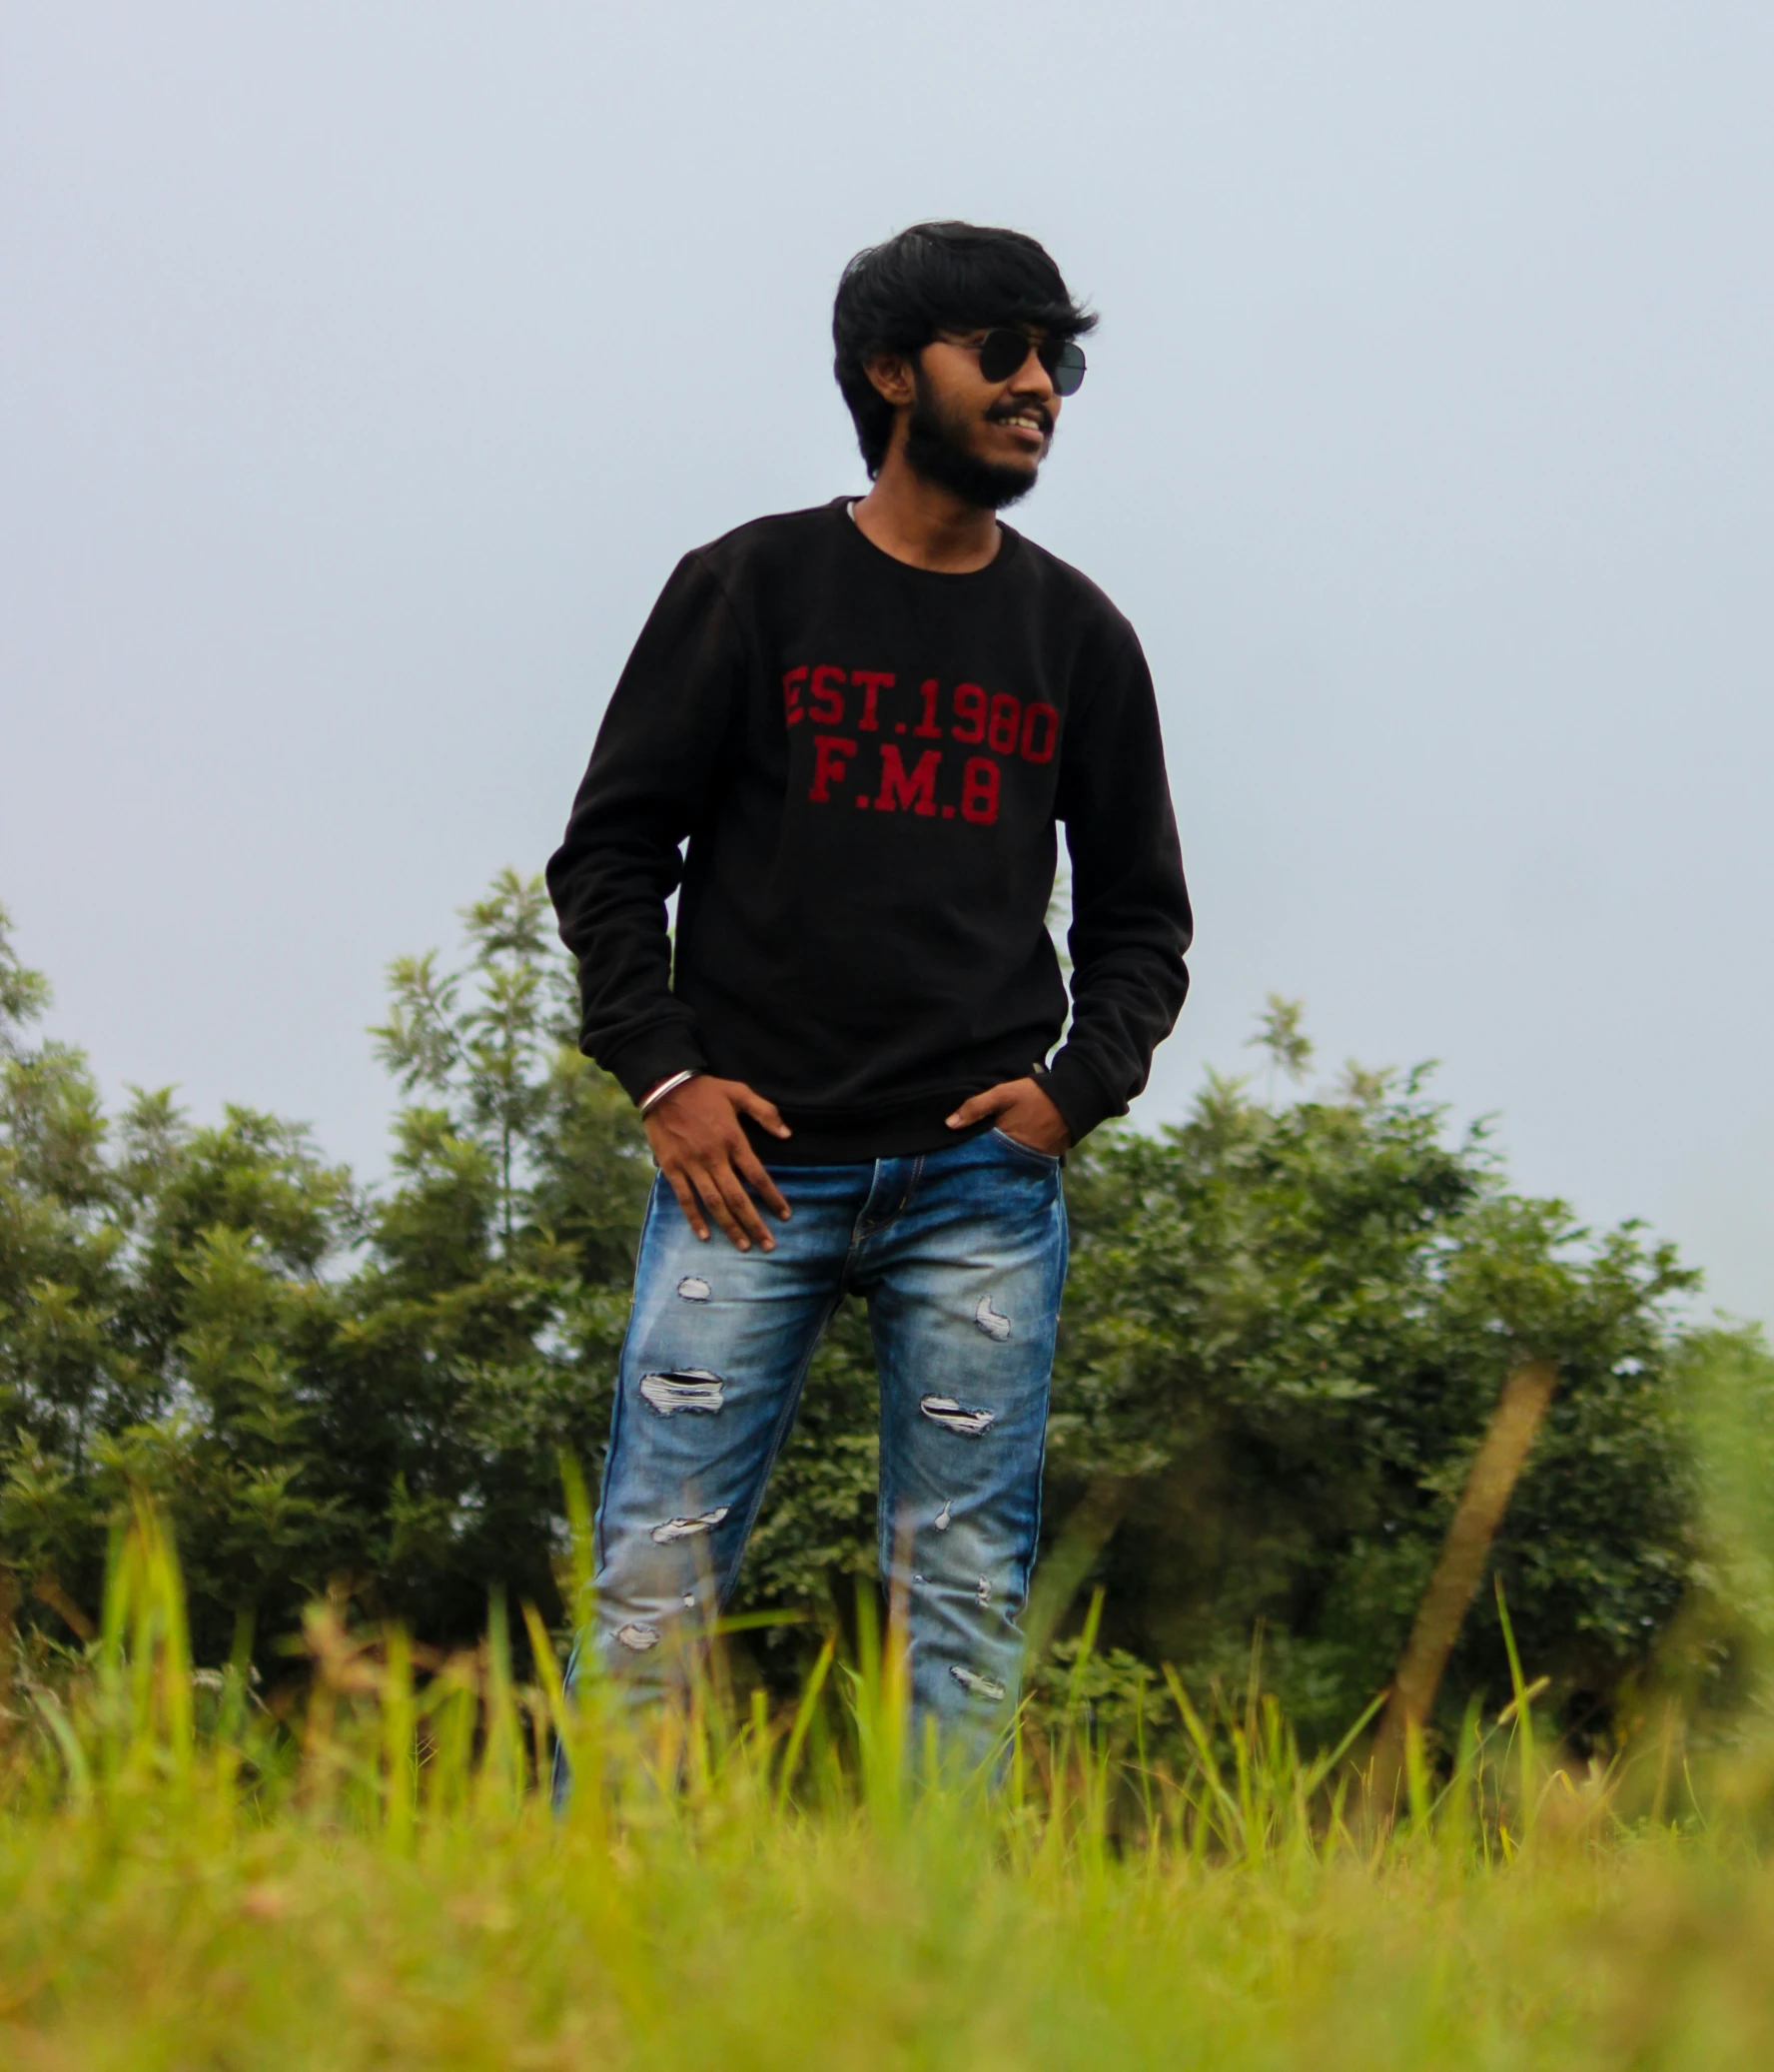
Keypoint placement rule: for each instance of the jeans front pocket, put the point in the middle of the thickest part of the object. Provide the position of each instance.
(1046, 1159)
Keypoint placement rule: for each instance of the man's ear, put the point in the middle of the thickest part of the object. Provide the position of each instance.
(892, 378)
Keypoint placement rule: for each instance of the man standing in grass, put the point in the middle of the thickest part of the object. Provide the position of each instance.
(866, 721)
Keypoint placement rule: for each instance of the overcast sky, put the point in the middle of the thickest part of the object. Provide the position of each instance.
(365, 368)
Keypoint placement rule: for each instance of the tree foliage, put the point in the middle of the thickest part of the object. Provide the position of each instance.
(1286, 1332)
(1285, 1329)
(327, 1389)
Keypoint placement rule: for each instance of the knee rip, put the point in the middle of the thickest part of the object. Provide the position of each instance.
(992, 1321)
(953, 1417)
(686, 1389)
(980, 1687)
(690, 1527)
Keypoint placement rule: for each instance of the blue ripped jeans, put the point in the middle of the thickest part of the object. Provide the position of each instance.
(961, 1257)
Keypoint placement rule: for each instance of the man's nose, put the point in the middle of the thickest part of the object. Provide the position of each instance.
(1034, 381)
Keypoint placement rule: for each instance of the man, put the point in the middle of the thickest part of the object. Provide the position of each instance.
(866, 720)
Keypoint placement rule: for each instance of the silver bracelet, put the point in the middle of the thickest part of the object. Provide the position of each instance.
(666, 1086)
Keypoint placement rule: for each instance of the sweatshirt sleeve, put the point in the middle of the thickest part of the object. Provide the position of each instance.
(648, 785)
(1131, 921)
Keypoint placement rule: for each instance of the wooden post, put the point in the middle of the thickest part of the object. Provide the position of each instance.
(1497, 1467)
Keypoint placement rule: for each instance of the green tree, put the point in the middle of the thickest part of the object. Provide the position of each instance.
(1283, 1339)
(324, 1389)
(484, 1321)
(1282, 1032)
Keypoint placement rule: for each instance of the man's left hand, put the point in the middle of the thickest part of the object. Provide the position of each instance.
(1021, 1110)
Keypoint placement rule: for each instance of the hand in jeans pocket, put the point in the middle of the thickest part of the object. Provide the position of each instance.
(1021, 1110)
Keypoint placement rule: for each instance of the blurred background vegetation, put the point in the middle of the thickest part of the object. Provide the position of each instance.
(1287, 1322)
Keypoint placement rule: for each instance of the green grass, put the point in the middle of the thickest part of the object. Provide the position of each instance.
(376, 1881)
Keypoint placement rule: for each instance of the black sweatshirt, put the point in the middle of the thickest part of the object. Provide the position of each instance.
(868, 760)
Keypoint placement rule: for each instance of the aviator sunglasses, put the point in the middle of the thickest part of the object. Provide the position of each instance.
(1003, 351)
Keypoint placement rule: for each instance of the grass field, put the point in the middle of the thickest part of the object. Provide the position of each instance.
(376, 1881)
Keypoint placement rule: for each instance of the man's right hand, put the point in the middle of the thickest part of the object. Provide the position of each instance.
(707, 1156)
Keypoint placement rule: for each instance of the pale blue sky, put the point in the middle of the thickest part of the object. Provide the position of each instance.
(365, 368)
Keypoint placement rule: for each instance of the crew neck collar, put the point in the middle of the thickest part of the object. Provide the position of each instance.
(1010, 540)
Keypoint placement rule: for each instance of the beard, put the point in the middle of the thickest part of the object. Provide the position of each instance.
(936, 448)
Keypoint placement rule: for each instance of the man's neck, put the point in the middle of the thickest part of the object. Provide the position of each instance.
(921, 522)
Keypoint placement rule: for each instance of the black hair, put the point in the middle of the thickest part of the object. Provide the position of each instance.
(896, 296)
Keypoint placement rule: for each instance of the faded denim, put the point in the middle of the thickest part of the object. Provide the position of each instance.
(961, 1257)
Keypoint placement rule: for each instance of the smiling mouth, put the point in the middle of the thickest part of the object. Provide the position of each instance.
(1023, 421)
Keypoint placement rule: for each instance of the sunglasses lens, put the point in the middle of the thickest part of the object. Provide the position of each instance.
(1066, 368)
(1001, 353)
